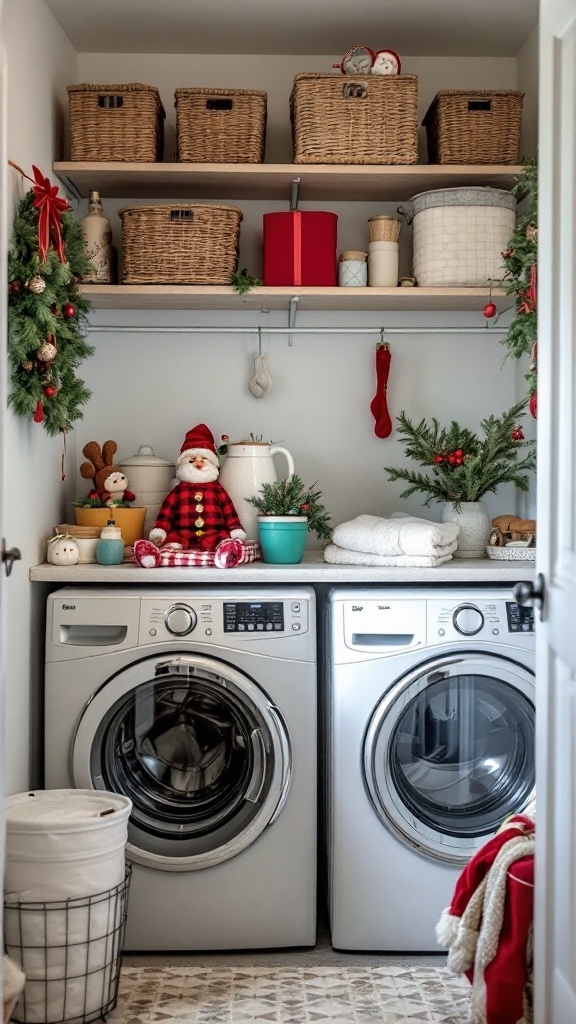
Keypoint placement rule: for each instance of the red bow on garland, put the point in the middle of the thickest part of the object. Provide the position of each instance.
(50, 206)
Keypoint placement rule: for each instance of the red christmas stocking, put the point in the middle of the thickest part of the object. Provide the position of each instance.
(379, 404)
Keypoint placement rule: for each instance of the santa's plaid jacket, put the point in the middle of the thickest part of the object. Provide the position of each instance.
(197, 514)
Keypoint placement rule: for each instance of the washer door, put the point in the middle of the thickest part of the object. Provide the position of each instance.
(199, 749)
(449, 753)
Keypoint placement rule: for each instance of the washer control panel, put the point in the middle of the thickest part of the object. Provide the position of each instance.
(478, 618)
(253, 616)
(221, 619)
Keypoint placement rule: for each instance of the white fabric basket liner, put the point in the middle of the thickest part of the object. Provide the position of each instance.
(58, 847)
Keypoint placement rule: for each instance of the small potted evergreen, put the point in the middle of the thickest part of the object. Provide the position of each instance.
(287, 509)
(462, 467)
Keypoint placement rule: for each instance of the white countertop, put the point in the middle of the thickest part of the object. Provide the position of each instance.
(313, 569)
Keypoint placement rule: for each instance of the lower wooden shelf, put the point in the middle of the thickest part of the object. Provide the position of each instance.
(164, 296)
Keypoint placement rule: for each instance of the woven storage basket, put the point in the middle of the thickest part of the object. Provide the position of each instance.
(478, 127)
(459, 235)
(187, 244)
(366, 119)
(220, 125)
(116, 122)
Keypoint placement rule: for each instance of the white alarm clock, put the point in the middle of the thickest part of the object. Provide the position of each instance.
(358, 60)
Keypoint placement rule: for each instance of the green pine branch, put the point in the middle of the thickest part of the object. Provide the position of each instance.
(291, 497)
(486, 463)
(519, 258)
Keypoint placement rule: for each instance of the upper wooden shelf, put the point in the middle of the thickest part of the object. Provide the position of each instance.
(165, 296)
(274, 181)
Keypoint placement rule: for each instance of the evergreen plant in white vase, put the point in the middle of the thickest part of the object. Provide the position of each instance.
(462, 467)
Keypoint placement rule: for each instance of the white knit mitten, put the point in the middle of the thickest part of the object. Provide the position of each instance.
(261, 381)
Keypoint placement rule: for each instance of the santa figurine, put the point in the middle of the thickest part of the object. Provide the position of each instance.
(198, 512)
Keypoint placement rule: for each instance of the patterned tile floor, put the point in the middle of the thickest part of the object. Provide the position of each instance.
(407, 991)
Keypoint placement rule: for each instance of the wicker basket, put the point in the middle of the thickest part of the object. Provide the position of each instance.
(116, 122)
(187, 244)
(220, 125)
(367, 119)
(478, 127)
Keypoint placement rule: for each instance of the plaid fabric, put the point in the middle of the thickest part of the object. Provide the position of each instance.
(233, 553)
(197, 515)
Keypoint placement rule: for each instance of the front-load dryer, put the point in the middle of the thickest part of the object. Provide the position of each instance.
(430, 739)
(200, 705)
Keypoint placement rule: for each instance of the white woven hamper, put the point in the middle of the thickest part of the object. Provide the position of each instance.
(459, 235)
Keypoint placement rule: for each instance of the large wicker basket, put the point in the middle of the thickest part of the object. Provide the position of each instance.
(477, 127)
(364, 119)
(116, 122)
(187, 244)
(220, 125)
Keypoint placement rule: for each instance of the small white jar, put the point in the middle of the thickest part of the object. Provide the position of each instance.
(352, 269)
(383, 264)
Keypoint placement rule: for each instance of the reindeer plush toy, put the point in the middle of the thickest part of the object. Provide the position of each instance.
(110, 484)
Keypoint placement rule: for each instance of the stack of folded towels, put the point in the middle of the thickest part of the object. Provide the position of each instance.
(402, 540)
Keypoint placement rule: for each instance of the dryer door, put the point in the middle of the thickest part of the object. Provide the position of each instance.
(199, 749)
(449, 753)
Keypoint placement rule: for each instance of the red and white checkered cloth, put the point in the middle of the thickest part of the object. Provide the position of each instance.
(228, 555)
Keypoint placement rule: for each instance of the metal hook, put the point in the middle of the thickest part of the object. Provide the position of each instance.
(382, 343)
(259, 341)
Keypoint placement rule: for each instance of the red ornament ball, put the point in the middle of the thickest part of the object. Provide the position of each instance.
(490, 310)
(50, 391)
(438, 459)
(458, 453)
(68, 309)
(517, 434)
(452, 459)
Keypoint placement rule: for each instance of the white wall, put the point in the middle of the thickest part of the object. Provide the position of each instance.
(41, 62)
(154, 387)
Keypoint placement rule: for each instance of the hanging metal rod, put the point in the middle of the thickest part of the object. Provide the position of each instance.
(148, 329)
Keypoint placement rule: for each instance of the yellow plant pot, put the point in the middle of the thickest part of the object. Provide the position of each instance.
(130, 520)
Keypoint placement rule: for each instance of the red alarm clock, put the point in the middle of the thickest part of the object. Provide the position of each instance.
(358, 60)
(386, 62)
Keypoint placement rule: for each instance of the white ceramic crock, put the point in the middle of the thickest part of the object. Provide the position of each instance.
(147, 472)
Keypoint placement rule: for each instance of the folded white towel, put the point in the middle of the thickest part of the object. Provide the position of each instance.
(343, 556)
(401, 535)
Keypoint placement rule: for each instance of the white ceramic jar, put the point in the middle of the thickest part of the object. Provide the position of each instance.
(383, 264)
(352, 269)
(247, 466)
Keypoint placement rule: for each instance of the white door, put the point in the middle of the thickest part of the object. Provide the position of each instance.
(555, 929)
(3, 293)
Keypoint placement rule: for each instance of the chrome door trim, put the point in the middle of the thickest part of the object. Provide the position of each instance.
(117, 687)
(427, 841)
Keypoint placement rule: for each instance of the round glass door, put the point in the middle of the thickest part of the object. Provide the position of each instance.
(199, 749)
(449, 753)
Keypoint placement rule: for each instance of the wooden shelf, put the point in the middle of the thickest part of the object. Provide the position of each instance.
(153, 296)
(274, 181)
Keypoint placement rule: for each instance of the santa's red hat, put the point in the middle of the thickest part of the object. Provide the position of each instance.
(199, 441)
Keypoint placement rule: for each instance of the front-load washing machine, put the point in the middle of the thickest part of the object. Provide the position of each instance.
(430, 740)
(200, 705)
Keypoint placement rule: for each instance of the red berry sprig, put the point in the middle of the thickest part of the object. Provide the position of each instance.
(517, 434)
(455, 458)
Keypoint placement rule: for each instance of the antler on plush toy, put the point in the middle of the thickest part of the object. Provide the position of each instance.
(109, 482)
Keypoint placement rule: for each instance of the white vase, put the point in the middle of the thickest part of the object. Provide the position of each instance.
(474, 527)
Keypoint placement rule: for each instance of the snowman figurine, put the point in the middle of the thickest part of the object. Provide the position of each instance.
(63, 550)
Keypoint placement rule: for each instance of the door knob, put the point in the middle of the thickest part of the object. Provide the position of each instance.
(9, 556)
(530, 593)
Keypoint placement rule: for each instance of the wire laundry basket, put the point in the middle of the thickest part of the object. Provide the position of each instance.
(70, 951)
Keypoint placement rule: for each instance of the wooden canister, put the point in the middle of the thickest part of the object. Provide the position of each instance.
(384, 229)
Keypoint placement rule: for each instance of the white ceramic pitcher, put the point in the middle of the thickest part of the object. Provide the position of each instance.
(247, 466)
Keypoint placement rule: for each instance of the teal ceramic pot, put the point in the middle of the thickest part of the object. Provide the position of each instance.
(282, 538)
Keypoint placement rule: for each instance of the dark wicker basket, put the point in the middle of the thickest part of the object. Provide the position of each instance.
(476, 127)
(220, 125)
(116, 122)
(364, 119)
(186, 244)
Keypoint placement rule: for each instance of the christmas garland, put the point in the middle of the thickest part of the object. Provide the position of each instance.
(47, 315)
(520, 278)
